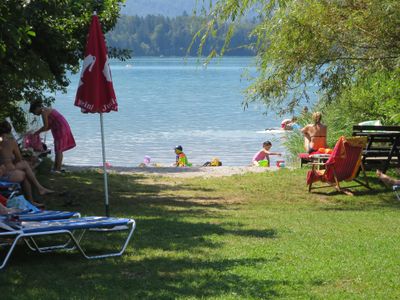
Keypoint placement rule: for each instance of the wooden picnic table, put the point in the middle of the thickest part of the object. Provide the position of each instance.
(383, 147)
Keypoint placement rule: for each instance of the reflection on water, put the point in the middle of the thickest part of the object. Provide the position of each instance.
(164, 102)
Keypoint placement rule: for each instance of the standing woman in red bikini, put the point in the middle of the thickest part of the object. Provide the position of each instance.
(62, 135)
(315, 134)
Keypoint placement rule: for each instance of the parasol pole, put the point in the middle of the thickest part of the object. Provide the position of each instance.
(103, 150)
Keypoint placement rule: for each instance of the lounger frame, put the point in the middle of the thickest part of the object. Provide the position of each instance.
(396, 190)
(73, 243)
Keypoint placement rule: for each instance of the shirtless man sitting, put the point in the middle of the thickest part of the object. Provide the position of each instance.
(13, 168)
(315, 134)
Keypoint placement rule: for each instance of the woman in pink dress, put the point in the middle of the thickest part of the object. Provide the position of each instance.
(62, 135)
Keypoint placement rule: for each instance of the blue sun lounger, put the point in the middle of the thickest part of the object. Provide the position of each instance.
(43, 215)
(28, 231)
(8, 189)
(8, 184)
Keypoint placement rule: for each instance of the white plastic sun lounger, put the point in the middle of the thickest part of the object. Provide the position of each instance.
(27, 231)
(44, 215)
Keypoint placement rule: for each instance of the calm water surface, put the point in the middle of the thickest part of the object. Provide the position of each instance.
(165, 102)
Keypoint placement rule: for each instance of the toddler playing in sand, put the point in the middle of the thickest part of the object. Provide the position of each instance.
(181, 159)
(261, 158)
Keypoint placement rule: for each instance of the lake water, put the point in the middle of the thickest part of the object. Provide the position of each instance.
(164, 102)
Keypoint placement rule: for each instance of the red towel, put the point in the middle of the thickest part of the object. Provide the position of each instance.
(3, 200)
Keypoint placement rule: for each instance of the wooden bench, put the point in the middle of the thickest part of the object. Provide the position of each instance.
(383, 147)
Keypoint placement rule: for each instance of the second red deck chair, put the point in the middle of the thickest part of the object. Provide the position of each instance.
(343, 165)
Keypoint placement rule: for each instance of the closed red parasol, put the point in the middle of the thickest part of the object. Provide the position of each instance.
(95, 92)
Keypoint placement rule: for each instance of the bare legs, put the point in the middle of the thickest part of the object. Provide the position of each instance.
(388, 181)
(58, 161)
(24, 166)
(27, 188)
(16, 176)
(19, 176)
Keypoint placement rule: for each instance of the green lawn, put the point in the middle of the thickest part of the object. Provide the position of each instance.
(257, 236)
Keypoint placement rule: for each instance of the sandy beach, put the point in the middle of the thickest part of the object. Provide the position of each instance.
(178, 172)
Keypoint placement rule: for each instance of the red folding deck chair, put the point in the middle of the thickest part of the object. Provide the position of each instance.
(343, 164)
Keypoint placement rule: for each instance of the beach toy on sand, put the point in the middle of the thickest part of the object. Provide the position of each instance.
(280, 163)
(215, 162)
(146, 159)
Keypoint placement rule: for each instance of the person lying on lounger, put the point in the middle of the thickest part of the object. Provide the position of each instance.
(387, 180)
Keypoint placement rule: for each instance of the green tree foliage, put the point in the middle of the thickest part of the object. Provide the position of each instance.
(332, 44)
(40, 42)
(374, 97)
(160, 35)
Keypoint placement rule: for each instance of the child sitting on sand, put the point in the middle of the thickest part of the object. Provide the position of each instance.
(181, 159)
(261, 158)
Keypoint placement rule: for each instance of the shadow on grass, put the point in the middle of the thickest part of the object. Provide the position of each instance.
(176, 235)
(138, 275)
(172, 233)
(180, 247)
(154, 278)
(126, 193)
(363, 199)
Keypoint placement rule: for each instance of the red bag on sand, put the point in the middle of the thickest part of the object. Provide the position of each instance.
(33, 141)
